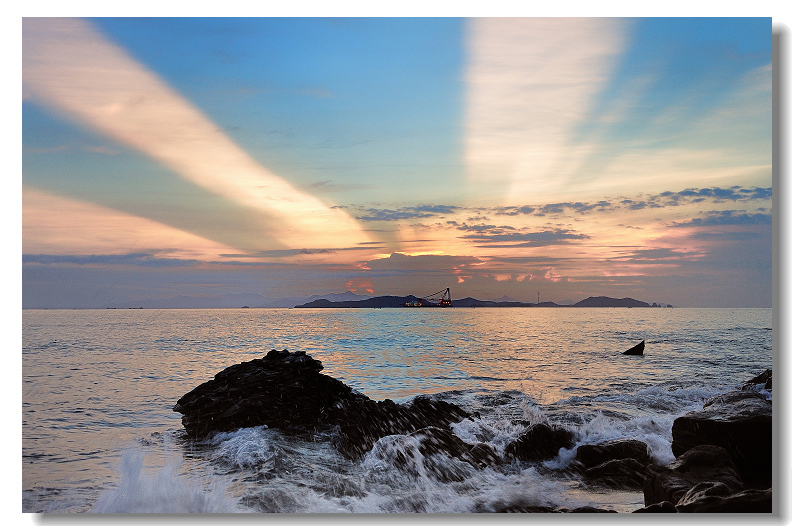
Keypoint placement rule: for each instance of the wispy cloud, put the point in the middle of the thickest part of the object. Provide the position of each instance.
(57, 225)
(531, 82)
(70, 66)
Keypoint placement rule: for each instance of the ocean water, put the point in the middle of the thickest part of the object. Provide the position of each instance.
(99, 433)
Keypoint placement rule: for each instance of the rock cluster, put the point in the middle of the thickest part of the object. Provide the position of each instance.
(724, 457)
(724, 450)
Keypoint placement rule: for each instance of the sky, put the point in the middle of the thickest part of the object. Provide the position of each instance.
(561, 157)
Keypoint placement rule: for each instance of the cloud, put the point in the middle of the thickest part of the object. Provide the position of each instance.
(69, 66)
(531, 82)
(726, 217)
(55, 225)
(405, 213)
(137, 259)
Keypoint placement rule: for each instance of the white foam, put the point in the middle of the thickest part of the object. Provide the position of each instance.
(247, 447)
(162, 491)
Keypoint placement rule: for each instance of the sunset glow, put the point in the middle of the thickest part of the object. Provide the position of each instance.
(500, 157)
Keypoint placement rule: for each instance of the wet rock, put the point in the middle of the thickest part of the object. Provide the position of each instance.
(763, 381)
(539, 442)
(660, 507)
(590, 509)
(286, 391)
(434, 440)
(621, 473)
(741, 423)
(593, 455)
(282, 390)
(706, 463)
(747, 501)
(361, 424)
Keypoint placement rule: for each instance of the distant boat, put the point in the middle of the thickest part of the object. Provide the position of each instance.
(438, 299)
(635, 351)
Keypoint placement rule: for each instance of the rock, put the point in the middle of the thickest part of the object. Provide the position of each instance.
(590, 509)
(361, 424)
(282, 390)
(747, 501)
(286, 391)
(434, 440)
(592, 455)
(706, 463)
(740, 422)
(621, 473)
(637, 350)
(660, 507)
(539, 442)
(764, 380)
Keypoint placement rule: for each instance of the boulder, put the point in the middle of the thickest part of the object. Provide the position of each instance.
(710, 464)
(741, 423)
(539, 442)
(592, 455)
(282, 390)
(620, 473)
(286, 390)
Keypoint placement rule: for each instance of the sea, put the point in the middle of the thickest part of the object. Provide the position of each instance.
(99, 433)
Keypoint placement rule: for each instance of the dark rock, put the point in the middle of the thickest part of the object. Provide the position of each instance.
(539, 442)
(637, 350)
(660, 507)
(590, 509)
(706, 463)
(740, 422)
(286, 391)
(593, 455)
(748, 501)
(361, 424)
(764, 380)
(282, 390)
(434, 440)
(621, 473)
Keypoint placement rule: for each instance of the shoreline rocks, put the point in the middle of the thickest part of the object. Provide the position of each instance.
(724, 450)
(741, 422)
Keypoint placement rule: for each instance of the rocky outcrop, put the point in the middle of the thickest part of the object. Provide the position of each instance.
(286, 391)
(539, 442)
(741, 423)
(706, 463)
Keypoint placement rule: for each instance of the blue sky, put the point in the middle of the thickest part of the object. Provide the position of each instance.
(281, 156)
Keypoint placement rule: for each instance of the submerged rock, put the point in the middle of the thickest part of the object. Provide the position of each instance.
(741, 423)
(540, 442)
(286, 391)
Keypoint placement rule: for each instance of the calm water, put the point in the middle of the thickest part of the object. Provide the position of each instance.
(99, 433)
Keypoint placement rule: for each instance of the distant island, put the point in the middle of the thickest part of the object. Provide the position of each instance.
(383, 302)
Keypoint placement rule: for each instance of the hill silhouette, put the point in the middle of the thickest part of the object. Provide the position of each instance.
(381, 302)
